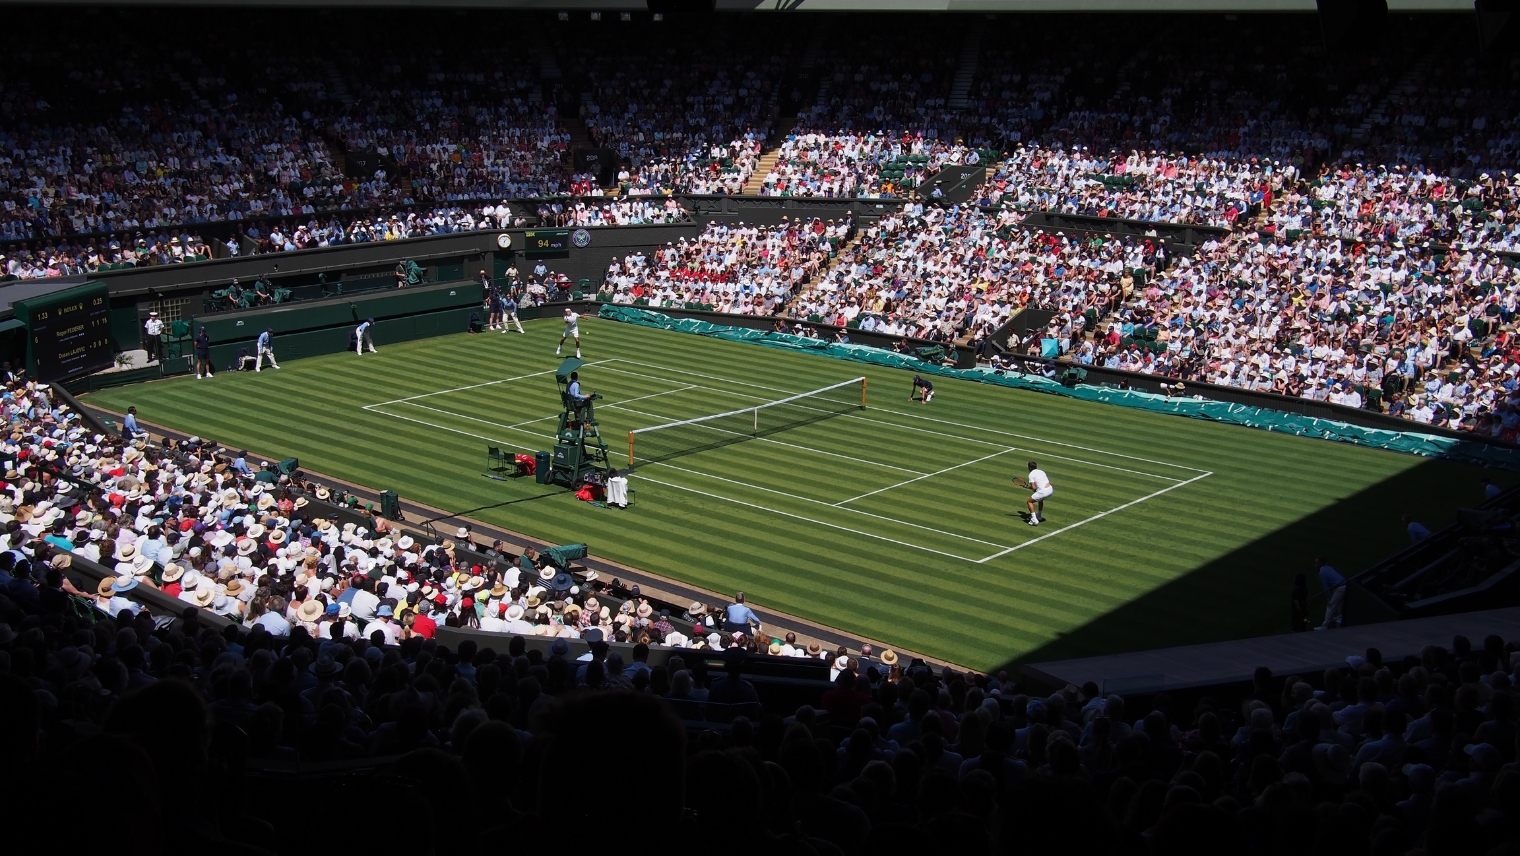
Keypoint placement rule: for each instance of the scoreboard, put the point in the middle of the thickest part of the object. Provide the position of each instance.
(67, 332)
(546, 242)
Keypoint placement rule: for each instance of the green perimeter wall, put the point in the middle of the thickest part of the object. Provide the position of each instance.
(323, 327)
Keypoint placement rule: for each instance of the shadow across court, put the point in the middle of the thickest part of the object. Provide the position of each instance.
(1351, 534)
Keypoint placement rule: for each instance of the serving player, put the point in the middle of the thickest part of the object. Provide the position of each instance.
(1039, 483)
(572, 331)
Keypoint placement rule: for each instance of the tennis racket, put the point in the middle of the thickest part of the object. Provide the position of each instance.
(1020, 481)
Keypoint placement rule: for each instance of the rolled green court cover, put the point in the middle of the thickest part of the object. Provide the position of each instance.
(1409, 442)
(561, 557)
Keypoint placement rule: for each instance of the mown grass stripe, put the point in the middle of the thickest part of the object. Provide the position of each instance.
(1195, 564)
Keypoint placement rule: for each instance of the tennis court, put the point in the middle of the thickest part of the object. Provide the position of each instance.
(898, 522)
(907, 478)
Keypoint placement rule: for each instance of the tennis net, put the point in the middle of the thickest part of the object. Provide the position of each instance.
(663, 442)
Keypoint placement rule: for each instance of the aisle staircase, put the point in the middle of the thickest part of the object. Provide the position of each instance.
(757, 178)
(548, 63)
(965, 70)
(336, 87)
(1408, 84)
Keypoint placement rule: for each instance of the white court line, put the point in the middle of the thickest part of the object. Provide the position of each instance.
(517, 425)
(1043, 440)
(477, 385)
(513, 427)
(809, 519)
(454, 430)
(1017, 449)
(779, 443)
(821, 502)
(938, 433)
(924, 476)
(1004, 552)
(1094, 517)
(911, 415)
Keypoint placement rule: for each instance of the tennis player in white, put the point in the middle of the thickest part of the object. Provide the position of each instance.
(572, 331)
(1042, 492)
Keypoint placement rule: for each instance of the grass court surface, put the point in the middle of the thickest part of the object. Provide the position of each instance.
(897, 522)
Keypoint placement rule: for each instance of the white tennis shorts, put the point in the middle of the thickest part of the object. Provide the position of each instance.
(1042, 493)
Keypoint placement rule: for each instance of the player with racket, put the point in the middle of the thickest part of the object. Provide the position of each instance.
(1040, 490)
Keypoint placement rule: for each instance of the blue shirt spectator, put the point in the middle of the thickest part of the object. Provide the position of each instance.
(1330, 578)
(740, 616)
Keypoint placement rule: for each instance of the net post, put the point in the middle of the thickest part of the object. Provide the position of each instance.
(863, 382)
(757, 422)
(630, 449)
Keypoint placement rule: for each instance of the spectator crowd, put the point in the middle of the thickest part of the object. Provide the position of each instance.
(1363, 205)
(734, 268)
(332, 656)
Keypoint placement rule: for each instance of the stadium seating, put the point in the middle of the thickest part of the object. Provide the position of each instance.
(234, 632)
(1328, 169)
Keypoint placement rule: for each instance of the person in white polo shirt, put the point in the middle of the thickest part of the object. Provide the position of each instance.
(154, 330)
(1042, 491)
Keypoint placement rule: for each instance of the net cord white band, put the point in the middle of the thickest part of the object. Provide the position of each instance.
(754, 410)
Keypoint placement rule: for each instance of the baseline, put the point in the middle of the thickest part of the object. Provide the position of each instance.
(1097, 516)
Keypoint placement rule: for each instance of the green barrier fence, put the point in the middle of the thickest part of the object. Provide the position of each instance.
(294, 317)
(1410, 442)
(331, 340)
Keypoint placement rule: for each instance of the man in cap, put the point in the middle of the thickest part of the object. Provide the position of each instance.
(362, 336)
(384, 625)
(266, 349)
(153, 330)
(509, 311)
(203, 354)
(923, 390)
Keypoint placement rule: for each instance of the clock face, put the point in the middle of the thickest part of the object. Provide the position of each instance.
(580, 238)
(504, 240)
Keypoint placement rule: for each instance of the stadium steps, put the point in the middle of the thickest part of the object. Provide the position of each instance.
(580, 137)
(548, 62)
(844, 249)
(965, 70)
(337, 88)
(762, 169)
(1408, 84)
